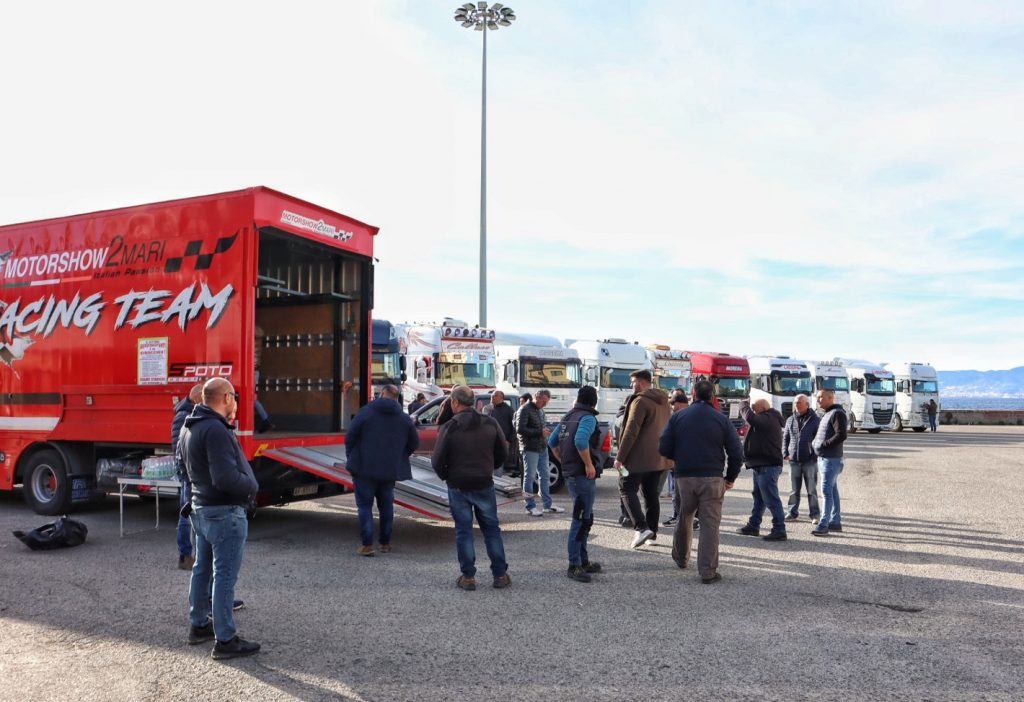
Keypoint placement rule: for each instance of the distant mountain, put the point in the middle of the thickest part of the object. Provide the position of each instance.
(972, 383)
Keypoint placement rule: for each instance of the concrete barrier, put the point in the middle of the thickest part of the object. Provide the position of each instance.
(997, 417)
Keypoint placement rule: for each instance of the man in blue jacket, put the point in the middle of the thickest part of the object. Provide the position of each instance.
(702, 442)
(801, 427)
(378, 445)
(181, 412)
(223, 486)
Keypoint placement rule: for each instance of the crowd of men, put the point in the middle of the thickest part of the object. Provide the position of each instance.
(660, 436)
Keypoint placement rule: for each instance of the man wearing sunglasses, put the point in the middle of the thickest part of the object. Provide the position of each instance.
(223, 485)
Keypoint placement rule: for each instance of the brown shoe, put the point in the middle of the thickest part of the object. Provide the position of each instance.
(502, 581)
(385, 548)
(365, 551)
(465, 583)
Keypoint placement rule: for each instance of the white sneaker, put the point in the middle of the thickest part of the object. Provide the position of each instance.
(535, 512)
(641, 537)
(554, 508)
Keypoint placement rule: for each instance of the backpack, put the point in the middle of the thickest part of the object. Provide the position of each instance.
(61, 533)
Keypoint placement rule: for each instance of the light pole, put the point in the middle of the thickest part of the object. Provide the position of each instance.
(482, 18)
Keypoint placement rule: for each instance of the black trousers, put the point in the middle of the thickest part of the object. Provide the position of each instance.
(630, 489)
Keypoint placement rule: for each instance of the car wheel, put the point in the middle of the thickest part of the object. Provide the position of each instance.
(555, 479)
(46, 486)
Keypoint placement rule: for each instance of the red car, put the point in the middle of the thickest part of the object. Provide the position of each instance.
(426, 418)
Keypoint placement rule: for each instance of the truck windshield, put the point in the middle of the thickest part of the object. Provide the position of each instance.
(384, 366)
(879, 386)
(668, 382)
(471, 374)
(732, 387)
(550, 374)
(926, 386)
(825, 382)
(615, 378)
(790, 383)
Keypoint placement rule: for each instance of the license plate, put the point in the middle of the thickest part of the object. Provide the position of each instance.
(305, 490)
(734, 411)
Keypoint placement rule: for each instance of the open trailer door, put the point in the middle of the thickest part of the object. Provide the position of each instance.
(425, 493)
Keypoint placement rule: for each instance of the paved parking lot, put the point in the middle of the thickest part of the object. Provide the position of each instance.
(921, 597)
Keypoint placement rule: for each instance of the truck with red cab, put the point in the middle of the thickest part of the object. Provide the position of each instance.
(730, 376)
(108, 319)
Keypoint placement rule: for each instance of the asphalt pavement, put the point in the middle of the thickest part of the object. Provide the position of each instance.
(920, 598)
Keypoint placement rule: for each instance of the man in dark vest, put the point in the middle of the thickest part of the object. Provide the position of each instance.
(574, 442)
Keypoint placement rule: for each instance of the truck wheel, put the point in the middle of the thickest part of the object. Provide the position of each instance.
(899, 424)
(555, 476)
(45, 485)
(918, 429)
(851, 426)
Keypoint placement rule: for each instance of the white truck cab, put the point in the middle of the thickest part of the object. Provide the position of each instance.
(872, 396)
(607, 365)
(830, 375)
(778, 379)
(531, 362)
(916, 385)
(670, 367)
(440, 356)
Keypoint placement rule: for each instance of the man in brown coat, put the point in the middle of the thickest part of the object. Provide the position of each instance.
(638, 461)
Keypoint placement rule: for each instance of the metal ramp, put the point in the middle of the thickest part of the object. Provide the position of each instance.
(425, 493)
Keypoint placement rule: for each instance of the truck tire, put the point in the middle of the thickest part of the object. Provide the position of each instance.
(45, 484)
(899, 424)
(851, 426)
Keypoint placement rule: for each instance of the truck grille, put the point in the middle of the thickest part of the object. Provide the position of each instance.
(882, 417)
(787, 409)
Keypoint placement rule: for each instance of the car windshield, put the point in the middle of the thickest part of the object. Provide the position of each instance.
(926, 386)
(385, 366)
(833, 383)
(550, 374)
(471, 374)
(879, 386)
(790, 383)
(732, 387)
(615, 378)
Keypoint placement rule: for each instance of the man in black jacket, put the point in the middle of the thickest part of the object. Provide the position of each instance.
(800, 429)
(500, 412)
(223, 485)
(181, 412)
(762, 450)
(828, 444)
(531, 427)
(469, 447)
(700, 439)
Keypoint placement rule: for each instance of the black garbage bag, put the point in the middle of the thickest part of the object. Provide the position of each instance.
(60, 534)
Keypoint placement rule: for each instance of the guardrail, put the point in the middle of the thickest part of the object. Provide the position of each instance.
(994, 417)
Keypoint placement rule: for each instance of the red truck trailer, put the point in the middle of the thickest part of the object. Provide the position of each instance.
(108, 319)
(731, 377)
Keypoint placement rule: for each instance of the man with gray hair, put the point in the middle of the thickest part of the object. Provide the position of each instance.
(800, 429)
(469, 447)
(531, 427)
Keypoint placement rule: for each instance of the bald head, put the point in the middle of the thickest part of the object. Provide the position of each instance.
(761, 405)
(219, 395)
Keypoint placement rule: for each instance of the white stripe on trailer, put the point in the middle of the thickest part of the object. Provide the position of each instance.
(28, 423)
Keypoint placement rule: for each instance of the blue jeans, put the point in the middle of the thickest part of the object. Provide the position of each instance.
(804, 475)
(464, 504)
(536, 470)
(830, 468)
(184, 526)
(932, 422)
(766, 494)
(220, 540)
(368, 489)
(583, 491)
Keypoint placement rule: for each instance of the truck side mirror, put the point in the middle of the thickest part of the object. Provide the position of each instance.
(590, 374)
(403, 376)
(401, 364)
(763, 383)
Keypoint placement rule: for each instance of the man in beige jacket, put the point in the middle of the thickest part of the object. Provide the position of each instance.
(638, 461)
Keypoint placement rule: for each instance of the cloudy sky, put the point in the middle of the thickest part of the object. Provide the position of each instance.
(804, 178)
